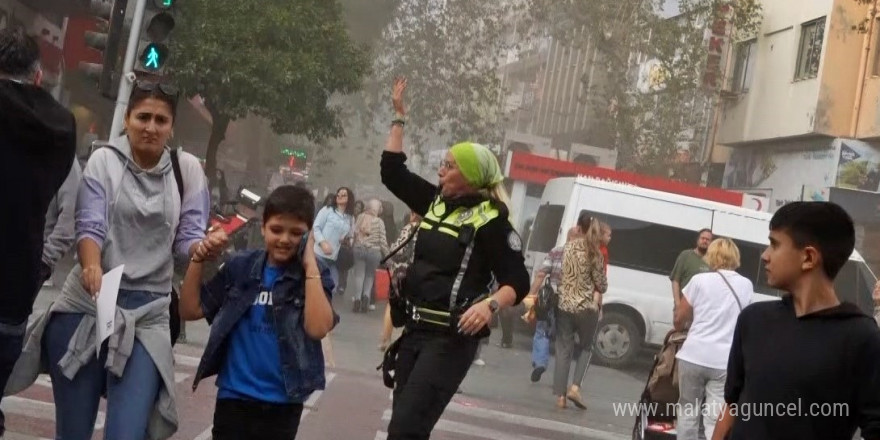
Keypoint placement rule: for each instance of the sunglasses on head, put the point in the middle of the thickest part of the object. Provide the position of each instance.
(166, 89)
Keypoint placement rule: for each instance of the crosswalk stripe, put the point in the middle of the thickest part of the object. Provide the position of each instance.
(313, 399)
(307, 408)
(38, 409)
(205, 435)
(187, 361)
(514, 419)
(17, 436)
(533, 422)
(468, 429)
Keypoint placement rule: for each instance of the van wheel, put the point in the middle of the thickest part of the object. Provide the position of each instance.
(618, 340)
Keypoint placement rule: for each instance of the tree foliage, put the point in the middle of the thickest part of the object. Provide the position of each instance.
(281, 60)
(450, 51)
(655, 99)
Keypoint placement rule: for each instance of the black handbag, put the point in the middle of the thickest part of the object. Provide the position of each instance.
(546, 301)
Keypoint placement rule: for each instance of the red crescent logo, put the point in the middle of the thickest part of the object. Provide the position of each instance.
(760, 205)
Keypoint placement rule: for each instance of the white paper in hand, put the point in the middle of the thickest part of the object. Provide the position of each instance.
(106, 305)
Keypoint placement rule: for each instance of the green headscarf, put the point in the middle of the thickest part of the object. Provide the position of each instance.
(478, 164)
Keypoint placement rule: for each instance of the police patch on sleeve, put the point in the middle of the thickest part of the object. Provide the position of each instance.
(514, 242)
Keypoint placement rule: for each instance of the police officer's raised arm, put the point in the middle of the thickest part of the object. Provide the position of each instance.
(416, 192)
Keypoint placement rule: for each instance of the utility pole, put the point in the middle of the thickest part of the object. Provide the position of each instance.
(127, 77)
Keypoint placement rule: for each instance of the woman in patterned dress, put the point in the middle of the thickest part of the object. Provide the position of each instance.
(580, 299)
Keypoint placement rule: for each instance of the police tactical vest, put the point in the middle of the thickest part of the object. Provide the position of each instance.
(462, 225)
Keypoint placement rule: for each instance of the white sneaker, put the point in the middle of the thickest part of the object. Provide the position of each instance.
(372, 307)
(480, 363)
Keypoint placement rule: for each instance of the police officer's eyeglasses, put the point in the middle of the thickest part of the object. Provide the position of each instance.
(447, 164)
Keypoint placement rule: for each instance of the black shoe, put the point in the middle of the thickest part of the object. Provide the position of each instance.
(356, 308)
(536, 373)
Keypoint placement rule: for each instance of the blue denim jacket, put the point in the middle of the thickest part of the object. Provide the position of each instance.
(227, 297)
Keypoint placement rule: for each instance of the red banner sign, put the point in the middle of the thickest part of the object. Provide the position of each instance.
(539, 169)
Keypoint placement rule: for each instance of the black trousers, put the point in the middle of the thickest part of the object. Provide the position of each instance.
(430, 367)
(246, 420)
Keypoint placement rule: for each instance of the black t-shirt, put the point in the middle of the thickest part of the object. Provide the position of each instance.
(813, 377)
(497, 249)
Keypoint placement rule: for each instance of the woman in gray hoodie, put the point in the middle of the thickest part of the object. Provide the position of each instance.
(129, 211)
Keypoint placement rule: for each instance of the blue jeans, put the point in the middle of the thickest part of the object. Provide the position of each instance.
(11, 340)
(334, 271)
(130, 399)
(541, 345)
(366, 261)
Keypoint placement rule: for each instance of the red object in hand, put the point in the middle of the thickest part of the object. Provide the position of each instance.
(229, 224)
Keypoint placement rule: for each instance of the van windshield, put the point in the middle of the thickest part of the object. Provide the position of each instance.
(545, 228)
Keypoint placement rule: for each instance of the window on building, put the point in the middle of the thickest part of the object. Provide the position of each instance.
(743, 70)
(810, 49)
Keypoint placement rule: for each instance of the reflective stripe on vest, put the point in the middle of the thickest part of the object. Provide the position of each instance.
(476, 217)
(451, 224)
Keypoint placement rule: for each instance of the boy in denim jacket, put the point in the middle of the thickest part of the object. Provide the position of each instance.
(268, 310)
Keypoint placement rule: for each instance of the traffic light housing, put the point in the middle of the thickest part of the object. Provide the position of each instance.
(153, 52)
(110, 15)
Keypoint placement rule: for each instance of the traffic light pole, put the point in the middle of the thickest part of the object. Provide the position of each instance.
(126, 80)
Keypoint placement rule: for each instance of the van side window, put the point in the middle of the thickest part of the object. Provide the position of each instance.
(545, 228)
(644, 246)
(653, 248)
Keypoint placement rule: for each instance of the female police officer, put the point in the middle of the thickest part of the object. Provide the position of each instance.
(466, 245)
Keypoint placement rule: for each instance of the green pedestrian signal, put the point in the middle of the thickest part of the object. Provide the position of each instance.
(154, 51)
(153, 57)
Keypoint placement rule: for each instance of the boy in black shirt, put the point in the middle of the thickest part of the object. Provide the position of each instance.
(806, 367)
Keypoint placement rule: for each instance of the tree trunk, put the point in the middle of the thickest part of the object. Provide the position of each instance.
(218, 133)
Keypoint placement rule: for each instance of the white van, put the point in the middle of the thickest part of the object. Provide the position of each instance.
(649, 229)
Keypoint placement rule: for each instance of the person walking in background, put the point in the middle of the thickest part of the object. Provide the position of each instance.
(398, 264)
(580, 299)
(369, 245)
(712, 301)
(544, 326)
(332, 225)
(689, 263)
(38, 142)
(605, 228)
(59, 233)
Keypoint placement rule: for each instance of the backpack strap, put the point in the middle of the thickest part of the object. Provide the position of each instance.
(178, 175)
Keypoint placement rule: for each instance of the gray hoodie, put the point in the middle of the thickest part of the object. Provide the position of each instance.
(58, 235)
(136, 216)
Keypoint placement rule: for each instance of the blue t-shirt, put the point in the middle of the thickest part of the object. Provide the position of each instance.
(252, 369)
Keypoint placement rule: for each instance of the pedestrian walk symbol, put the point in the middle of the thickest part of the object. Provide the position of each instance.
(153, 57)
